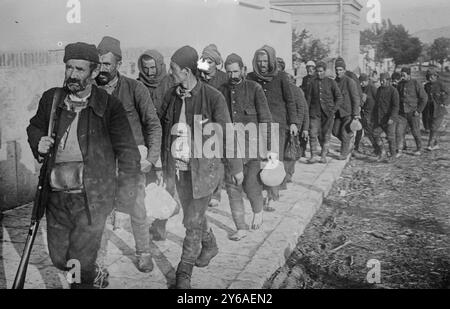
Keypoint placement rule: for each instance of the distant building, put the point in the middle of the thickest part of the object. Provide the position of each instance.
(335, 22)
(368, 64)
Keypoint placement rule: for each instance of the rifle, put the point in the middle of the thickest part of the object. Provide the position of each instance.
(39, 204)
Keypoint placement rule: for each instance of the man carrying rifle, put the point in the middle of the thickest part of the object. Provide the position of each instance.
(90, 134)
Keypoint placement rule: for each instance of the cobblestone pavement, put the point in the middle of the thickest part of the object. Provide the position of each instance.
(239, 265)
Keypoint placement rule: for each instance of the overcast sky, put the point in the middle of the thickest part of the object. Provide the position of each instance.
(41, 23)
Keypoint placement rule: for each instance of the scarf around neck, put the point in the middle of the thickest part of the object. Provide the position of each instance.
(161, 71)
(273, 70)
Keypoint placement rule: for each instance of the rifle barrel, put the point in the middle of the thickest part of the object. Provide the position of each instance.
(19, 280)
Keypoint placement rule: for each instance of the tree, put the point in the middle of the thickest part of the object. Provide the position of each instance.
(440, 50)
(308, 48)
(398, 44)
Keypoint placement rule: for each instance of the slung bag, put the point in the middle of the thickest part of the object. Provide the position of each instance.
(293, 151)
(67, 176)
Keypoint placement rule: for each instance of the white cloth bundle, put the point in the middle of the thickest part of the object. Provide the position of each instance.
(159, 203)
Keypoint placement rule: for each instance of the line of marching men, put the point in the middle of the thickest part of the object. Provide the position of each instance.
(387, 104)
(109, 136)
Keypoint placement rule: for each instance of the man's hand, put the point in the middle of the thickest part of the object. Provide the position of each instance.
(239, 178)
(146, 166)
(272, 156)
(294, 129)
(390, 122)
(416, 113)
(45, 144)
(305, 134)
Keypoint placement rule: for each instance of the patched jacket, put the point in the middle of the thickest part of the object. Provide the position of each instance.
(371, 92)
(157, 93)
(208, 104)
(323, 95)
(302, 108)
(106, 142)
(280, 99)
(412, 96)
(351, 103)
(306, 81)
(141, 114)
(248, 104)
(438, 95)
(387, 105)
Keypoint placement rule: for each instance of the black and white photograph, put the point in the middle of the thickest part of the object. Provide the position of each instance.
(242, 146)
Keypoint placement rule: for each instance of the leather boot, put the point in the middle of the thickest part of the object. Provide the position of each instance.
(209, 249)
(432, 141)
(144, 262)
(158, 230)
(392, 148)
(345, 150)
(183, 276)
(191, 251)
(313, 150)
(323, 154)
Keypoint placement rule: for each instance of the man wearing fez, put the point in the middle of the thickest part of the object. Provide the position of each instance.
(348, 110)
(413, 100)
(90, 140)
(196, 173)
(146, 127)
(323, 97)
(281, 103)
(435, 110)
(247, 105)
(385, 115)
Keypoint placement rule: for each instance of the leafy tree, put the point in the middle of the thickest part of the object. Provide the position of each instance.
(306, 48)
(374, 35)
(398, 44)
(440, 50)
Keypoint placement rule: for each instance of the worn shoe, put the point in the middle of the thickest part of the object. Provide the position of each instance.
(432, 148)
(209, 250)
(312, 160)
(240, 234)
(183, 276)
(399, 154)
(323, 160)
(342, 157)
(417, 153)
(144, 262)
(266, 206)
